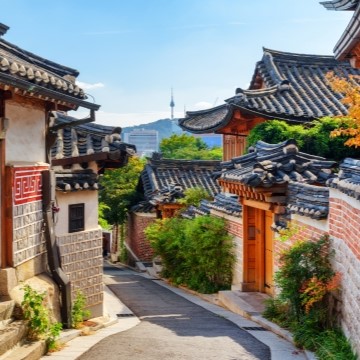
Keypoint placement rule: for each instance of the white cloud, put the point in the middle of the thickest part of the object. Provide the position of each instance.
(126, 119)
(202, 105)
(87, 86)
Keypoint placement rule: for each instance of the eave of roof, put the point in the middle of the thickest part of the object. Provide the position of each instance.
(87, 142)
(340, 5)
(350, 37)
(216, 118)
(40, 77)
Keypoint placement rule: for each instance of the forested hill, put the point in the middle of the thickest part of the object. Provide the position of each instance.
(165, 127)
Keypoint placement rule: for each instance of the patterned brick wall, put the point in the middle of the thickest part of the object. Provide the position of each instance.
(81, 260)
(28, 239)
(136, 238)
(27, 221)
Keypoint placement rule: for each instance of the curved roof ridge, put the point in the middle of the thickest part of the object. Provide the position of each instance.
(205, 111)
(271, 67)
(313, 57)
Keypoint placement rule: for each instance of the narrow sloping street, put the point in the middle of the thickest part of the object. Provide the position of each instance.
(171, 327)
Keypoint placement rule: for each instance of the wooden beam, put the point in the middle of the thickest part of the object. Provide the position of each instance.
(257, 204)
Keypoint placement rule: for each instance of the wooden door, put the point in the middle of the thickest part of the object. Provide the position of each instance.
(258, 250)
(269, 262)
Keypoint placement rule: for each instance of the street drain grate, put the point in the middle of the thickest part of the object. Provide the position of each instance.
(125, 315)
(256, 328)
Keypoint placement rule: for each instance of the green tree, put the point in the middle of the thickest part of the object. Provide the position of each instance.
(118, 191)
(196, 252)
(313, 138)
(188, 147)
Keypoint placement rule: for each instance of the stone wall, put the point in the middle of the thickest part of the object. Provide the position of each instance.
(81, 260)
(136, 239)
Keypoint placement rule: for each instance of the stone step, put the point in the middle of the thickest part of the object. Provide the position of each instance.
(11, 335)
(27, 351)
(6, 309)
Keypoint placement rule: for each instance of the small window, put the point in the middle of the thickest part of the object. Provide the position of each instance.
(76, 218)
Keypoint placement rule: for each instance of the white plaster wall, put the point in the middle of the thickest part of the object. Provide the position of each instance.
(25, 137)
(238, 274)
(63, 200)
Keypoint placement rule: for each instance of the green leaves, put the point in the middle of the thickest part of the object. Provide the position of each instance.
(185, 146)
(38, 316)
(197, 252)
(118, 191)
(313, 138)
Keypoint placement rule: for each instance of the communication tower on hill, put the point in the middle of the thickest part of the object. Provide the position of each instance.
(172, 105)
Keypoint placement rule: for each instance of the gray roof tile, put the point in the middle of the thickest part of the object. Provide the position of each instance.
(293, 88)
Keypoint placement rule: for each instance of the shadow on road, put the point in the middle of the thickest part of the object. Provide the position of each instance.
(157, 305)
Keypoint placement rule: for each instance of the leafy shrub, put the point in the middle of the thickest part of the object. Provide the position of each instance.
(197, 252)
(306, 281)
(78, 312)
(38, 317)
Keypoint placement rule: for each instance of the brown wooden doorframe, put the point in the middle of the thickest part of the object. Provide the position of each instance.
(258, 268)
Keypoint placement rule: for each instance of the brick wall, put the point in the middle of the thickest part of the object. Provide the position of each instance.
(344, 219)
(304, 228)
(81, 260)
(136, 239)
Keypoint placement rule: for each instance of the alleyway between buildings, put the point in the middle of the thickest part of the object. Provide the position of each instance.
(171, 327)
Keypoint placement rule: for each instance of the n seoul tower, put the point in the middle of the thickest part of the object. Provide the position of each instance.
(172, 105)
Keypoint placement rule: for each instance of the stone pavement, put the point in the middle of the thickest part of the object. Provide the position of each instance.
(119, 319)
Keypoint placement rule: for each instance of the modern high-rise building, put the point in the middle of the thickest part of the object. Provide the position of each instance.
(146, 141)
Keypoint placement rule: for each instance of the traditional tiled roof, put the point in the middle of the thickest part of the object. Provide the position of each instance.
(226, 204)
(345, 47)
(308, 200)
(277, 164)
(164, 180)
(39, 77)
(286, 86)
(87, 142)
(348, 179)
(300, 174)
(70, 180)
(340, 4)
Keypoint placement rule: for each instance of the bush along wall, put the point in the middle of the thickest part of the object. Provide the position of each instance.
(305, 301)
(197, 253)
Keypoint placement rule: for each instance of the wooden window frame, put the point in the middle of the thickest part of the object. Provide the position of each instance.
(76, 220)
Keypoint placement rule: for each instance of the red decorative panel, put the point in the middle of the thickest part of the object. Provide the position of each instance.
(27, 184)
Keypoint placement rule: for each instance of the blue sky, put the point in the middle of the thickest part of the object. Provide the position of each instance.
(131, 52)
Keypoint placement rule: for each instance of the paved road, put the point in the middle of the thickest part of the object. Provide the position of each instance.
(171, 328)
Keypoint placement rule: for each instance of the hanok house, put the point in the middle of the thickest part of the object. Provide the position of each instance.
(275, 186)
(79, 154)
(285, 86)
(33, 92)
(348, 46)
(162, 182)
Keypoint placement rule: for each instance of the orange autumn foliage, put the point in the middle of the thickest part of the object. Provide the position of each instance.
(350, 90)
(315, 289)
